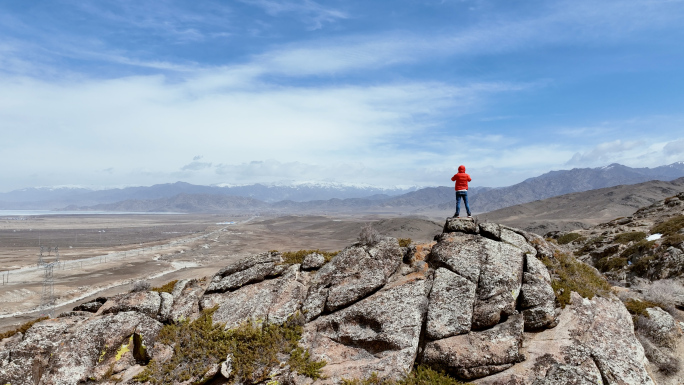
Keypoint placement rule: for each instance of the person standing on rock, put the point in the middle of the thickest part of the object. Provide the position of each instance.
(461, 187)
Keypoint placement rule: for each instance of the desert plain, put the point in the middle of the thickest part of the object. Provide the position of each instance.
(103, 255)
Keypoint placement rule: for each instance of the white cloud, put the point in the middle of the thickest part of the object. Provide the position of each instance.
(312, 12)
(675, 147)
(604, 153)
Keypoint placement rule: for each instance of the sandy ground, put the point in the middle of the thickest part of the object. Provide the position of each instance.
(103, 255)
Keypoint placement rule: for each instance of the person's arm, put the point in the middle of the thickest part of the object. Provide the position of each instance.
(453, 178)
(469, 180)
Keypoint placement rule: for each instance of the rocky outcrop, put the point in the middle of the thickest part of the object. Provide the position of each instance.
(594, 340)
(465, 304)
(379, 334)
(479, 354)
(354, 273)
(145, 302)
(272, 300)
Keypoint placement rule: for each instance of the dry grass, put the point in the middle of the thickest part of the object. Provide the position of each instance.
(369, 236)
(421, 375)
(569, 275)
(165, 288)
(21, 329)
(296, 257)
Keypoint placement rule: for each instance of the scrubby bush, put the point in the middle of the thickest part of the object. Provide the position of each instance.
(662, 357)
(21, 329)
(640, 268)
(255, 350)
(295, 257)
(589, 245)
(165, 288)
(638, 308)
(674, 240)
(140, 286)
(610, 264)
(569, 237)
(570, 274)
(670, 226)
(421, 375)
(404, 242)
(634, 236)
(640, 247)
(369, 236)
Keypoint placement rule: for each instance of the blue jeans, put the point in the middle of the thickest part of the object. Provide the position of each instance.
(464, 195)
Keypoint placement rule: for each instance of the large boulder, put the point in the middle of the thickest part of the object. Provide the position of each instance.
(450, 308)
(186, 295)
(145, 302)
(273, 300)
(478, 354)
(71, 350)
(353, 274)
(593, 339)
(379, 334)
(253, 269)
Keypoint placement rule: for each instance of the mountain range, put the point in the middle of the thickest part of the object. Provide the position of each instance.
(307, 198)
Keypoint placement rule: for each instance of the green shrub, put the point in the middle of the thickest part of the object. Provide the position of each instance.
(641, 266)
(634, 236)
(589, 245)
(610, 264)
(294, 257)
(673, 240)
(670, 226)
(570, 274)
(638, 308)
(404, 242)
(199, 345)
(165, 288)
(640, 247)
(421, 375)
(567, 238)
(21, 329)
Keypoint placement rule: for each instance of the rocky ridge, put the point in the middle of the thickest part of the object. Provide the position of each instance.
(478, 303)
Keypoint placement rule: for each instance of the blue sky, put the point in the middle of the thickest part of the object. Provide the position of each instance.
(118, 93)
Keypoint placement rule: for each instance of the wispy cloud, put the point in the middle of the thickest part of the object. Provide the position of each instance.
(311, 12)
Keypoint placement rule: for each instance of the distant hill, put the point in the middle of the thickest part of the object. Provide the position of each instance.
(556, 183)
(54, 198)
(335, 198)
(584, 209)
(185, 203)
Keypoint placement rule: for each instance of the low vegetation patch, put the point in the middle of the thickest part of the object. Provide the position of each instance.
(165, 288)
(570, 275)
(569, 237)
(21, 329)
(634, 236)
(638, 308)
(670, 226)
(589, 245)
(404, 242)
(255, 350)
(610, 264)
(421, 375)
(640, 268)
(295, 257)
(640, 247)
(674, 240)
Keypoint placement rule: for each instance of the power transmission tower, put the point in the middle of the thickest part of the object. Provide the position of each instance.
(47, 299)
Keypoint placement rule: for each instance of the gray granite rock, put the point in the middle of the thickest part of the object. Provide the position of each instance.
(450, 307)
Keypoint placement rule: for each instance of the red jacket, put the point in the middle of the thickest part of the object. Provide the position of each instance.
(461, 179)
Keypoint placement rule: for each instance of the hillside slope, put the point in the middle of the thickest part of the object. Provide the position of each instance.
(584, 209)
